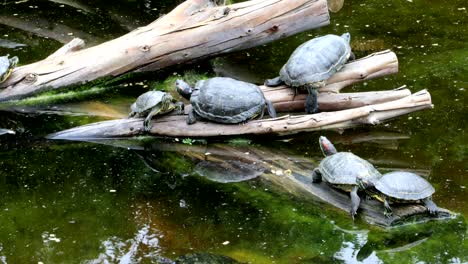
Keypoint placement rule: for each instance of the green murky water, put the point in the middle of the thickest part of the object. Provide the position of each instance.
(73, 202)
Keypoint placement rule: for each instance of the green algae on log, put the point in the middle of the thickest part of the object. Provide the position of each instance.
(281, 172)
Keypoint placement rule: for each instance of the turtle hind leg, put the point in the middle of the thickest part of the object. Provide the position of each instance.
(179, 108)
(431, 206)
(273, 82)
(311, 103)
(355, 201)
(271, 109)
(316, 176)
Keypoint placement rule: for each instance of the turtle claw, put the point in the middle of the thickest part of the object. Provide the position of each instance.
(147, 125)
(388, 214)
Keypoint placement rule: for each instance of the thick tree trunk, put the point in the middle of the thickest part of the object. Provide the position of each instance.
(175, 125)
(193, 30)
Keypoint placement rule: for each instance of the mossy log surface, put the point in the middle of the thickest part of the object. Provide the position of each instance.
(281, 171)
(194, 30)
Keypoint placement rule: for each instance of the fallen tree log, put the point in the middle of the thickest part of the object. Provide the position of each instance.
(176, 126)
(195, 29)
(279, 171)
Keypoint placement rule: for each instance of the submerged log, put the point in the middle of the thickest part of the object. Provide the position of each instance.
(176, 126)
(195, 29)
(280, 171)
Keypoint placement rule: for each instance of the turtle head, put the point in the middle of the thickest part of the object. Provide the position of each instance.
(183, 89)
(346, 36)
(13, 61)
(326, 146)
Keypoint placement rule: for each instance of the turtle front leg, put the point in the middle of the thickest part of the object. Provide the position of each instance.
(388, 212)
(192, 117)
(311, 103)
(147, 122)
(355, 201)
(430, 205)
(316, 175)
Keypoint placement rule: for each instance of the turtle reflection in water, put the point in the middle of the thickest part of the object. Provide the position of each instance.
(312, 63)
(228, 170)
(205, 258)
(154, 103)
(341, 170)
(6, 66)
(224, 100)
(399, 187)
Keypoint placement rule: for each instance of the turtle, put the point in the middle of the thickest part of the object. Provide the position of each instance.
(341, 169)
(224, 100)
(154, 103)
(399, 187)
(312, 63)
(6, 66)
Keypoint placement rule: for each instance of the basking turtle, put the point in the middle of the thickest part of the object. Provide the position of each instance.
(224, 100)
(341, 169)
(399, 187)
(6, 66)
(312, 63)
(154, 103)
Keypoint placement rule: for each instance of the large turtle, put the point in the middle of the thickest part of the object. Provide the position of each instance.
(399, 187)
(154, 103)
(224, 100)
(341, 169)
(6, 66)
(312, 63)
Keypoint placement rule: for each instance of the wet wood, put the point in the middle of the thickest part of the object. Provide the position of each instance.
(285, 172)
(176, 126)
(193, 30)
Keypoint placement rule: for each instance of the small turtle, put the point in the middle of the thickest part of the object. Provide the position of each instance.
(312, 63)
(154, 103)
(341, 169)
(399, 187)
(224, 100)
(6, 66)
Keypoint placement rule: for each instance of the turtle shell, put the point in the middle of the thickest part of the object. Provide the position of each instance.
(404, 186)
(226, 100)
(147, 101)
(343, 168)
(316, 60)
(6, 65)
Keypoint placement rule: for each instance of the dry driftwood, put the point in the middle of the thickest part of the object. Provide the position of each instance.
(193, 30)
(175, 125)
(279, 171)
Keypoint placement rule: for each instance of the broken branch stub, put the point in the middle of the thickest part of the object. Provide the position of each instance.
(193, 30)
